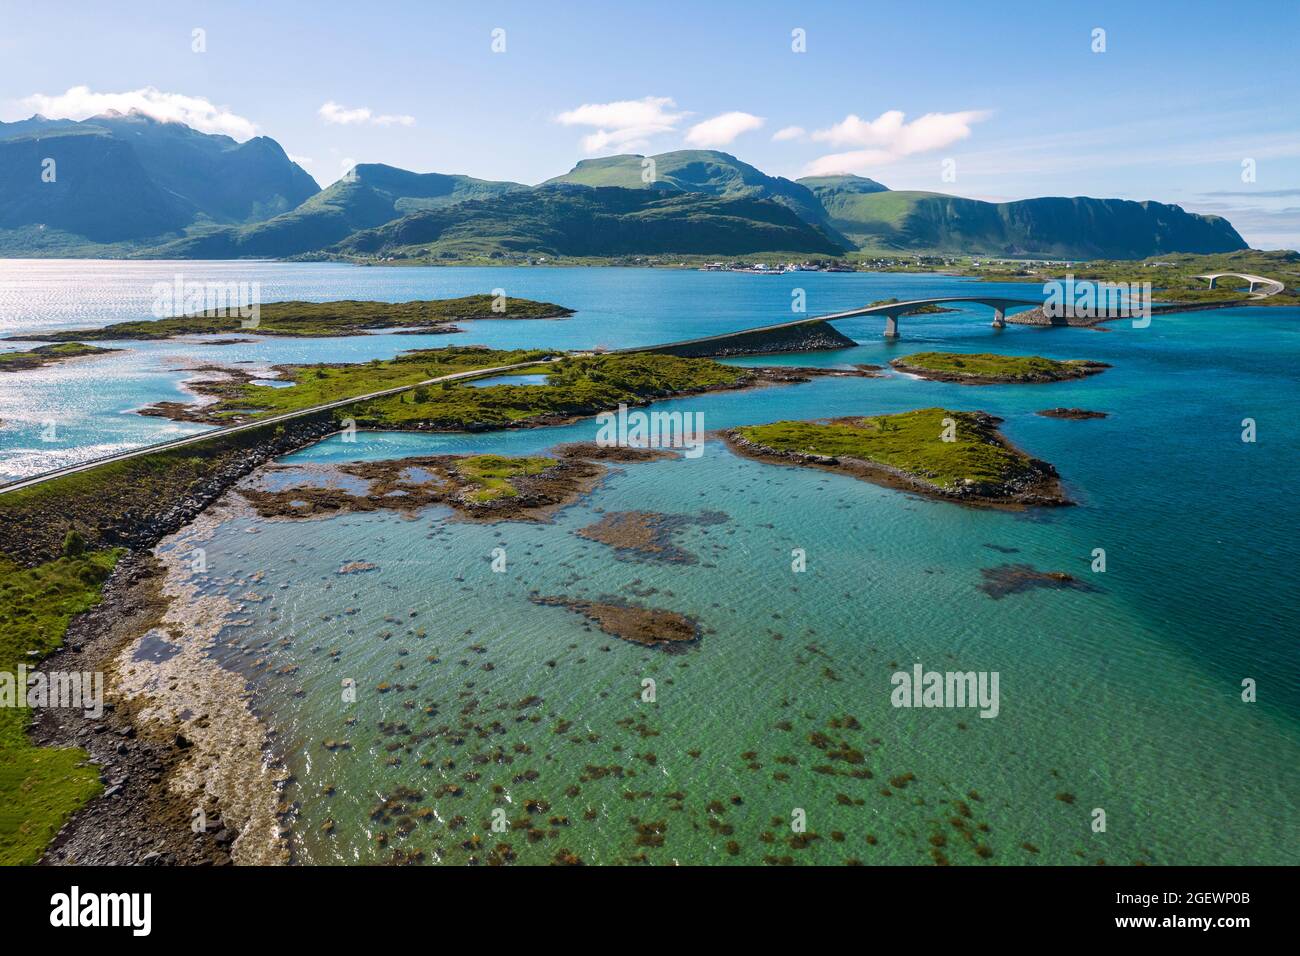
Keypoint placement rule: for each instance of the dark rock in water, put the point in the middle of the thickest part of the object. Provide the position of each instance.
(590, 451)
(1071, 413)
(647, 535)
(1014, 578)
(655, 627)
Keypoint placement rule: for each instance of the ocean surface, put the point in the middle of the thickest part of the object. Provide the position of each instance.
(1119, 701)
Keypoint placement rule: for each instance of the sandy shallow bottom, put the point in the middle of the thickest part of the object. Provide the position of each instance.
(176, 686)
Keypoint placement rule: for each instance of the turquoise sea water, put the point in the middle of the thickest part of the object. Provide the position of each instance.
(1124, 697)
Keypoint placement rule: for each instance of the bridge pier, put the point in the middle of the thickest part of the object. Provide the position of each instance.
(999, 319)
(891, 326)
(1213, 279)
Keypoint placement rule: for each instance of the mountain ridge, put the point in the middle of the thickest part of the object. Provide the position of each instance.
(130, 185)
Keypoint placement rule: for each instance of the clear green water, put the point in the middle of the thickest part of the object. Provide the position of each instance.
(1125, 698)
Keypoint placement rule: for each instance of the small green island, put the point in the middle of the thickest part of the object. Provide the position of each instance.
(575, 386)
(987, 368)
(44, 355)
(320, 319)
(945, 454)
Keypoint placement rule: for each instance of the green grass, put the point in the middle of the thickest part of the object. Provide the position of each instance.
(992, 366)
(492, 473)
(909, 441)
(576, 386)
(40, 787)
(319, 384)
(308, 319)
(46, 355)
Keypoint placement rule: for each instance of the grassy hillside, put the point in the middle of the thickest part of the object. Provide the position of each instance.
(375, 195)
(1076, 228)
(700, 171)
(844, 183)
(579, 221)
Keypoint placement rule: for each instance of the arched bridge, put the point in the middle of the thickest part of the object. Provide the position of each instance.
(745, 339)
(1266, 286)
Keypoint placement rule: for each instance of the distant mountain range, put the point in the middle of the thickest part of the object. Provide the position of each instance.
(128, 185)
(126, 179)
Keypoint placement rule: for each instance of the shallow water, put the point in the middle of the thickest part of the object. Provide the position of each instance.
(1124, 698)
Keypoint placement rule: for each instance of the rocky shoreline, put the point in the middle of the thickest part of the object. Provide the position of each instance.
(146, 752)
(137, 820)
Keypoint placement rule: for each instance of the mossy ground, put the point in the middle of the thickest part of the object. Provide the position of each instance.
(910, 441)
(492, 473)
(40, 787)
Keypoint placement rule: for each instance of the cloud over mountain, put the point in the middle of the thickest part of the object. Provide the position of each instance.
(623, 125)
(888, 138)
(722, 130)
(197, 112)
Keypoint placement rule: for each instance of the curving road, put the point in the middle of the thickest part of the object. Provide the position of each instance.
(259, 423)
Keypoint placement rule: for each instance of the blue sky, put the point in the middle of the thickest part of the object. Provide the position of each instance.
(1011, 93)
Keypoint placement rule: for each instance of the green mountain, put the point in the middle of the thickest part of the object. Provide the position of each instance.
(568, 220)
(97, 191)
(697, 171)
(129, 185)
(122, 178)
(879, 220)
(371, 195)
(845, 184)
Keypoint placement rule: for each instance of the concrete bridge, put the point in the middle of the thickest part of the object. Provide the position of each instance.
(1266, 285)
(744, 340)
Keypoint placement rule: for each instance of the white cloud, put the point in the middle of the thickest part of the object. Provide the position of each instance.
(300, 160)
(346, 165)
(888, 138)
(624, 125)
(81, 102)
(787, 133)
(722, 130)
(332, 112)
